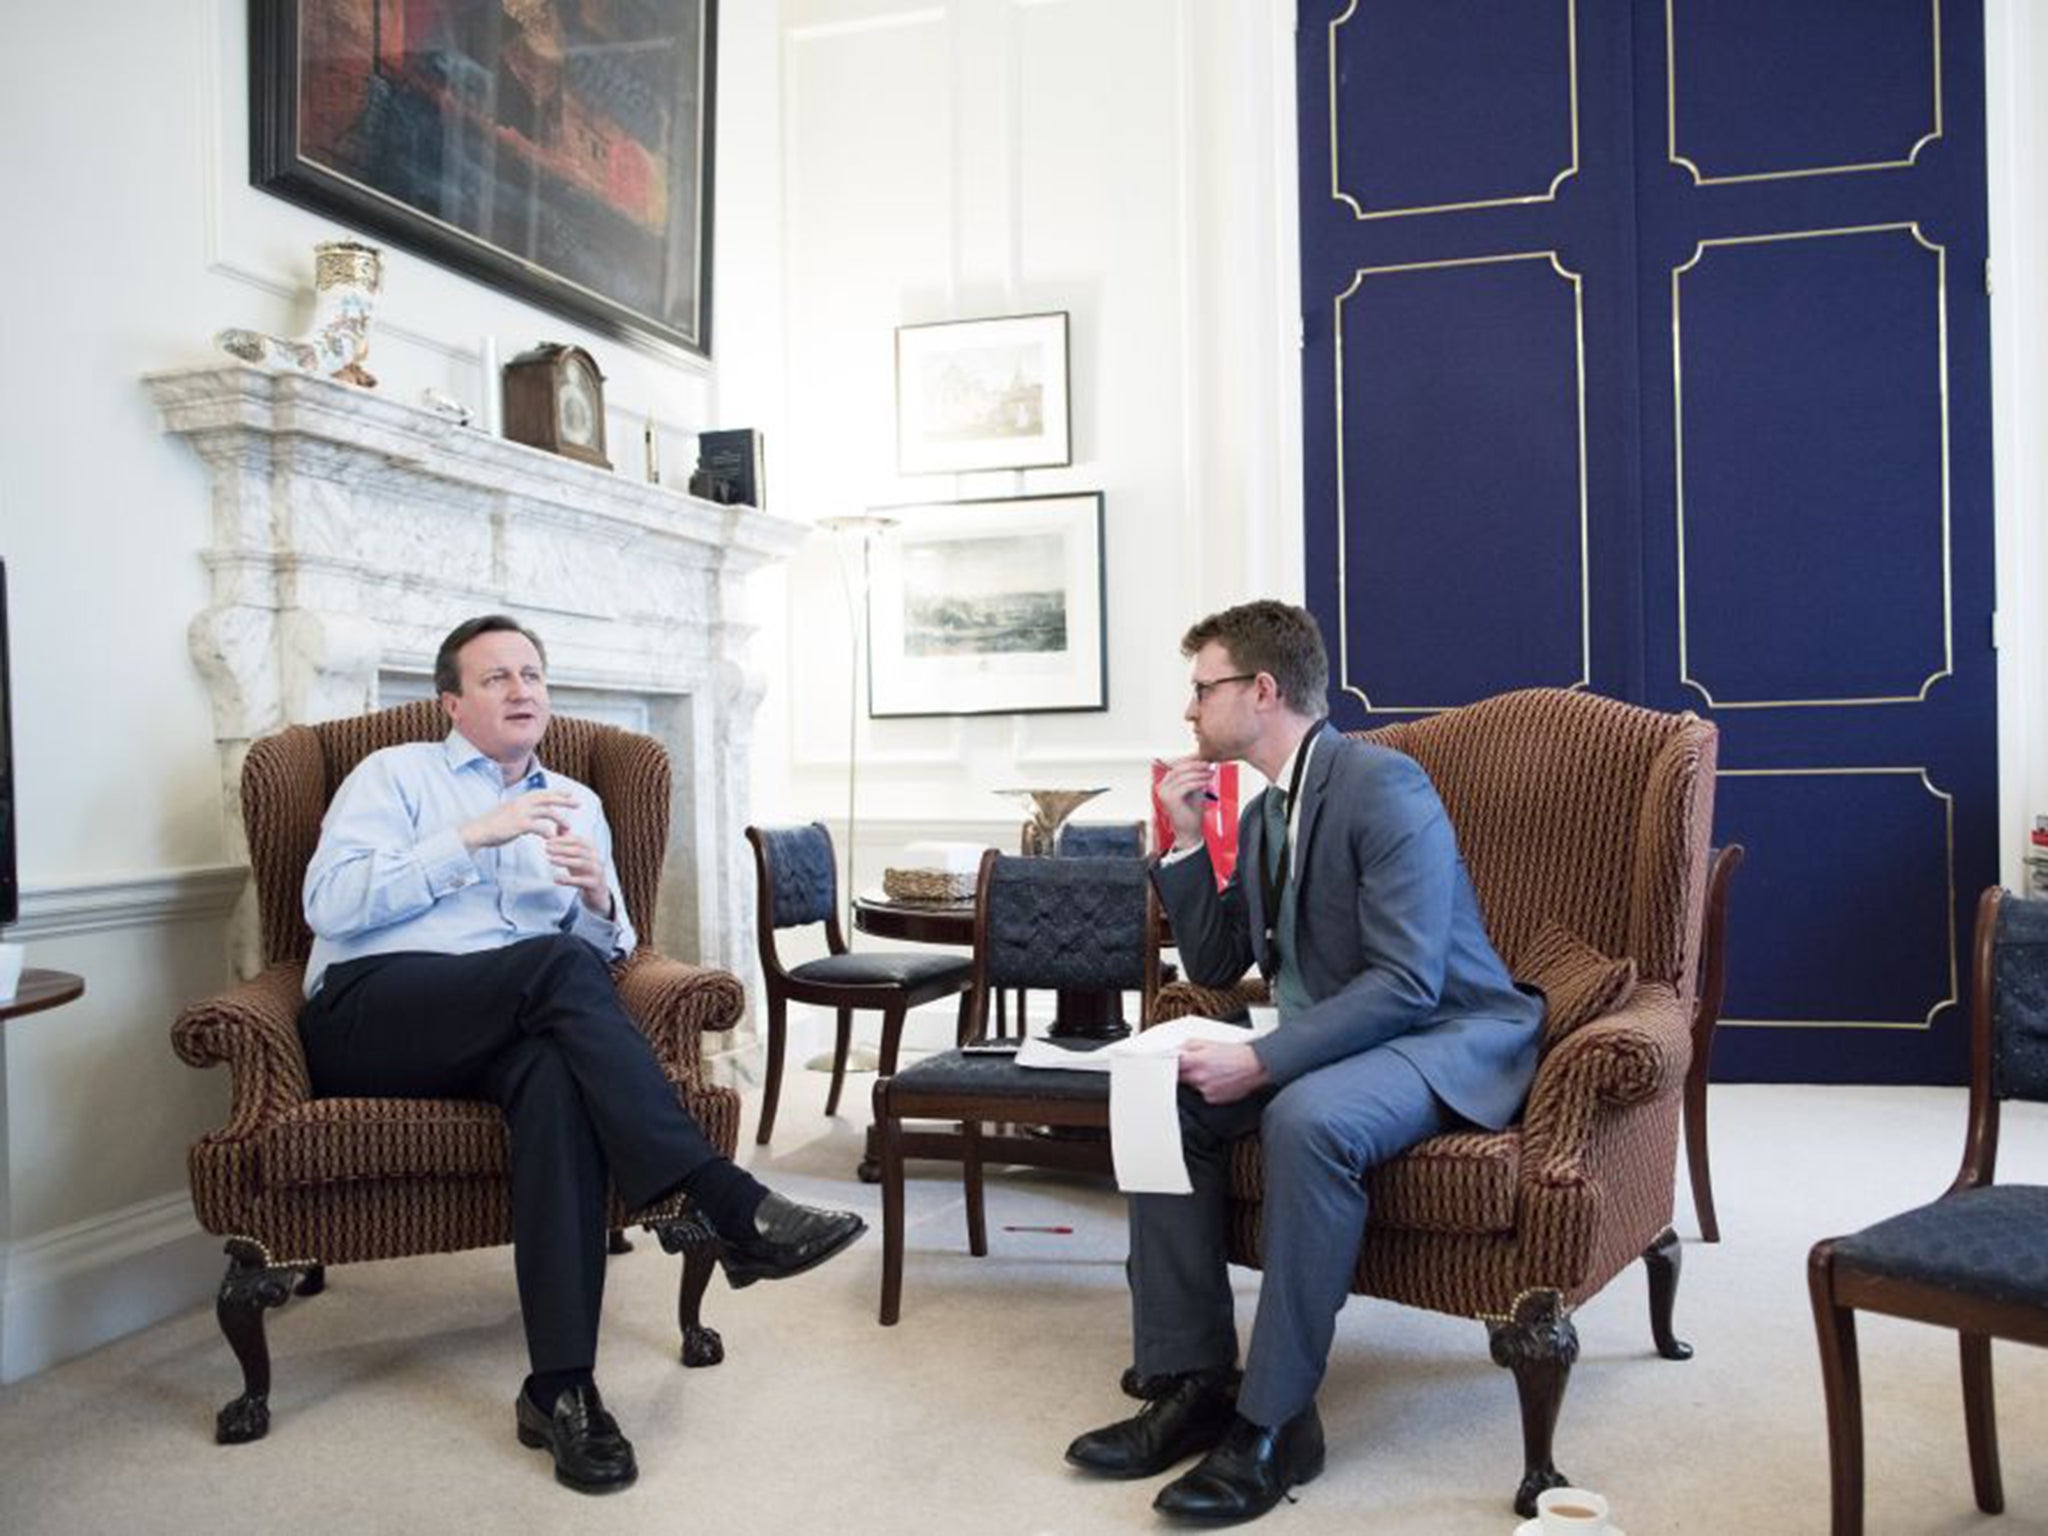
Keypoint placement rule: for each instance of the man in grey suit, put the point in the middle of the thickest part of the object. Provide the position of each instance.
(1397, 1021)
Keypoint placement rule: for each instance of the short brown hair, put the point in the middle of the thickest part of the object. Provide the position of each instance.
(1276, 638)
(448, 660)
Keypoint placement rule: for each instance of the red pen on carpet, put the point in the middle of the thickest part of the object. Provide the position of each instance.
(1057, 1231)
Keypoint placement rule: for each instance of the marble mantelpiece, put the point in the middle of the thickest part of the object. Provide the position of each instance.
(351, 532)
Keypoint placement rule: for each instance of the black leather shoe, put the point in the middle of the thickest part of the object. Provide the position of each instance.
(590, 1454)
(1248, 1472)
(788, 1239)
(1190, 1415)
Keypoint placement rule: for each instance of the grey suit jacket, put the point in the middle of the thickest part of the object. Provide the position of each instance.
(1393, 950)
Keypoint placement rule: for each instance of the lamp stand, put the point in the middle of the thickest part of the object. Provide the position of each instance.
(865, 527)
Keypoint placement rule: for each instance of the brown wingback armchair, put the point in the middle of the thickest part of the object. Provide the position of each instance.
(1573, 813)
(296, 1183)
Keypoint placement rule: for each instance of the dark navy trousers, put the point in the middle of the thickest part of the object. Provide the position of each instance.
(537, 1029)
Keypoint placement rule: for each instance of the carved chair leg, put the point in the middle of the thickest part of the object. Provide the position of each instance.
(252, 1285)
(1663, 1258)
(1842, 1386)
(313, 1282)
(891, 1131)
(616, 1241)
(1980, 1421)
(1539, 1344)
(695, 1239)
(842, 1046)
(1699, 1170)
(771, 1090)
(971, 1180)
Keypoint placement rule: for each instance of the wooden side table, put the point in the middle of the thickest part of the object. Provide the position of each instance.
(40, 990)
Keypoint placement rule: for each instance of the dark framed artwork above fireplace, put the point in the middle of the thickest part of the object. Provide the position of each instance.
(557, 150)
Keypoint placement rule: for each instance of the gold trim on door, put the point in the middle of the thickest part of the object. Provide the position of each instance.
(1948, 808)
(1343, 541)
(1549, 194)
(1702, 179)
(1947, 666)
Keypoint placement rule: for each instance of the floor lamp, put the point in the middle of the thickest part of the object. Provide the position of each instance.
(861, 528)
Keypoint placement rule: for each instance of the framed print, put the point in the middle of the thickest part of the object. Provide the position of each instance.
(989, 607)
(982, 394)
(558, 150)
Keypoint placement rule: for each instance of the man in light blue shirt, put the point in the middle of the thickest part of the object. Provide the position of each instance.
(465, 910)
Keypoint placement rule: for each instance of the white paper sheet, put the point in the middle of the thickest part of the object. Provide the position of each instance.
(1144, 1125)
(1144, 1116)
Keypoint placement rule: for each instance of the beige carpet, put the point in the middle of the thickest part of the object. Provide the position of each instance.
(392, 1400)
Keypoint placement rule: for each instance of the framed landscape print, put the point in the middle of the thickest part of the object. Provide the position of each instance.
(982, 394)
(989, 607)
(558, 150)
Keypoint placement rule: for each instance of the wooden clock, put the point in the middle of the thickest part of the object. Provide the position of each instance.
(554, 399)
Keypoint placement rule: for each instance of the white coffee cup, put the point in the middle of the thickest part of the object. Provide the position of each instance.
(1571, 1512)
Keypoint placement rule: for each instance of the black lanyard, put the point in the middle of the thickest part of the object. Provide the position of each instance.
(1273, 872)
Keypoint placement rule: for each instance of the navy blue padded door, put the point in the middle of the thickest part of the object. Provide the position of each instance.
(1646, 350)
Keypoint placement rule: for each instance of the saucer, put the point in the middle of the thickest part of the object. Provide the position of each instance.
(1534, 1527)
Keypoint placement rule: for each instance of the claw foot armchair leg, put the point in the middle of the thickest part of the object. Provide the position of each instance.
(1539, 1344)
(693, 1237)
(253, 1284)
(1663, 1258)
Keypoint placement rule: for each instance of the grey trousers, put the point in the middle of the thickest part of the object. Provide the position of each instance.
(1320, 1133)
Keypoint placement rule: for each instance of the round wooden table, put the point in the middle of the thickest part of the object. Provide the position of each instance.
(40, 990)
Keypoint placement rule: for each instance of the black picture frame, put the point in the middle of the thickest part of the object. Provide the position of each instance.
(535, 155)
(997, 606)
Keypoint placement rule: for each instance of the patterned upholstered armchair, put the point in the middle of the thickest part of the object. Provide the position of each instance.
(297, 1183)
(1584, 823)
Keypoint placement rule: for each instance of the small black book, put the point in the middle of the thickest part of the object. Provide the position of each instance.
(734, 462)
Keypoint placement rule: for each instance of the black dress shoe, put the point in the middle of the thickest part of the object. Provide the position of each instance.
(1190, 1415)
(1249, 1472)
(590, 1454)
(788, 1239)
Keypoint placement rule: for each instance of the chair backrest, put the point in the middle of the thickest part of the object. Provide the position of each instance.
(798, 873)
(288, 779)
(1580, 810)
(2016, 1061)
(1100, 840)
(1075, 923)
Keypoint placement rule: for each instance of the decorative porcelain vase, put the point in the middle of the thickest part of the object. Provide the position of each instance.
(1050, 809)
(346, 280)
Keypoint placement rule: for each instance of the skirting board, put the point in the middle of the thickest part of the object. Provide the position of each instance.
(76, 1288)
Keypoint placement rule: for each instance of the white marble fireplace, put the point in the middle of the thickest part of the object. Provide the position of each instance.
(351, 532)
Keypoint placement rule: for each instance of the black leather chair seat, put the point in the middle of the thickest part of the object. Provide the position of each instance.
(883, 968)
(1990, 1242)
(994, 1075)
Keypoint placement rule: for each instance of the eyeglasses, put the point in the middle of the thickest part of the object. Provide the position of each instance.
(1204, 688)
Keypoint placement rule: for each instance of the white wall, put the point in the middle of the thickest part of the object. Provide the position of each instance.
(1130, 164)
(133, 235)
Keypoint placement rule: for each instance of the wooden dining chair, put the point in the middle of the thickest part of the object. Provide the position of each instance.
(799, 886)
(1976, 1259)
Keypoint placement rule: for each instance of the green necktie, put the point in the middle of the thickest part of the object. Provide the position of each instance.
(1288, 990)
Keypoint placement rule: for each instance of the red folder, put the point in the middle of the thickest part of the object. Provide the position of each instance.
(1219, 824)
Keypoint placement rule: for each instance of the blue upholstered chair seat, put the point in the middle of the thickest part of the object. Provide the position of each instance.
(996, 1076)
(1990, 1242)
(883, 968)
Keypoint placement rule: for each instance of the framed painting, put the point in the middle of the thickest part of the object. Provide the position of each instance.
(558, 150)
(982, 394)
(989, 607)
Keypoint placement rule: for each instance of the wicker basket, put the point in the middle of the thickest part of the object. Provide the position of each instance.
(927, 885)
